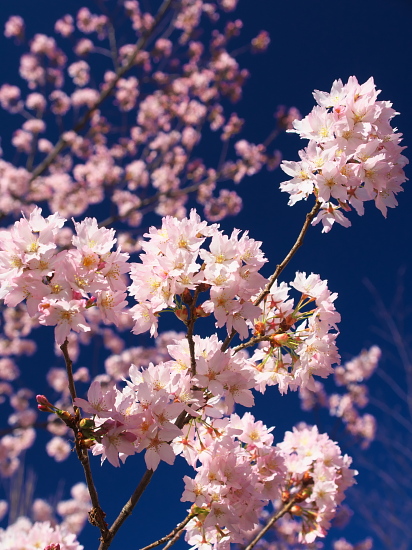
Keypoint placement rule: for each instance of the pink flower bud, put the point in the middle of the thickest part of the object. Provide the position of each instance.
(43, 404)
(76, 295)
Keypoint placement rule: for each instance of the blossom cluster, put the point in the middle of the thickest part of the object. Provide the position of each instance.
(239, 472)
(25, 534)
(347, 405)
(43, 530)
(312, 456)
(139, 417)
(169, 268)
(142, 415)
(60, 285)
(301, 341)
(353, 155)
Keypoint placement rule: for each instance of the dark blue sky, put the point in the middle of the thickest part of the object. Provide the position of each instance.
(313, 43)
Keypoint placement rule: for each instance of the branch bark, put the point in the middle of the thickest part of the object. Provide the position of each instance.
(96, 515)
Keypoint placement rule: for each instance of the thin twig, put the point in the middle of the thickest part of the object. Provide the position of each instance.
(252, 342)
(173, 540)
(190, 328)
(280, 267)
(286, 508)
(113, 46)
(290, 254)
(127, 509)
(172, 534)
(69, 369)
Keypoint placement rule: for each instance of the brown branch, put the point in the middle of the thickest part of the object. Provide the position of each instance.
(127, 509)
(280, 267)
(290, 254)
(286, 508)
(96, 515)
(254, 340)
(173, 540)
(140, 44)
(176, 531)
(69, 369)
(190, 328)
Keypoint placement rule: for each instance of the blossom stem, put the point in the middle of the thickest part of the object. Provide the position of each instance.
(280, 267)
(172, 535)
(298, 243)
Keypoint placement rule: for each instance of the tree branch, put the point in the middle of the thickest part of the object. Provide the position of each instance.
(127, 509)
(96, 515)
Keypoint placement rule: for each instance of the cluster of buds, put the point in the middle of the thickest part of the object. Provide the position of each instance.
(84, 428)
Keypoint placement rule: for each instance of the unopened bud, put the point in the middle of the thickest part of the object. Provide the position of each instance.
(86, 424)
(260, 328)
(187, 296)
(302, 495)
(285, 496)
(307, 478)
(182, 314)
(88, 443)
(296, 510)
(200, 312)
(279, 339)
(43, 404)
